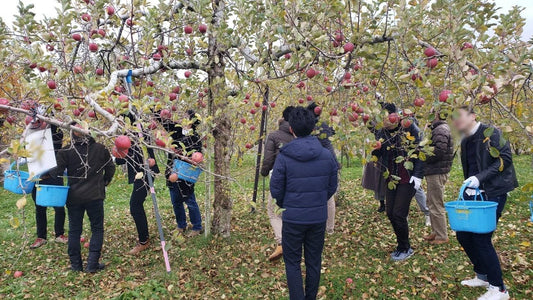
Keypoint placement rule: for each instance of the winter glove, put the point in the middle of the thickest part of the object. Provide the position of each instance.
(417, 182)
(472, 181)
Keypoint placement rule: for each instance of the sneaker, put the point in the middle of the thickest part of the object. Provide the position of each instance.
(381, 207)
(139, 248)
(277, 254)
(193, 233)
(402, 255)
(428, 221)
(475, 282)
(494, 293)
(38, 243)
(61, 239)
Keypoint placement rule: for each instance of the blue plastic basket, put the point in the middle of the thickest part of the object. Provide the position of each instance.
(531, 209)
(51, 195)
(186, 171)
(471, 216)
(17, 181)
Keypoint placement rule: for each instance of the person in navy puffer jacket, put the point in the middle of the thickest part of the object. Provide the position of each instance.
(303, 179)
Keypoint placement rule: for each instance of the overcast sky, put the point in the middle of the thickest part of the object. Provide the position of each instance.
(46, 7)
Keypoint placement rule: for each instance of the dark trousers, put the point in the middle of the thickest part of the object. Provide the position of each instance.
(41, 221)
(179, 210)
(311, 237)
(480, 250)
(138, 196)
(397, 205)
(76, 212)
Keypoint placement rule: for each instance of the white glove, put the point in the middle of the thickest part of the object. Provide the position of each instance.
(473, 182)
(416, 181)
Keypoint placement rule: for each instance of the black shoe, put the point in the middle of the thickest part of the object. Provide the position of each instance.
(381, 207)
(95, 268)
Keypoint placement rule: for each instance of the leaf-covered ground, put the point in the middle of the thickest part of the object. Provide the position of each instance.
(237, 268)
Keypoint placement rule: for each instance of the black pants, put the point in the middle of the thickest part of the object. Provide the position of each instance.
(95, 211)
(480, 250)
(312, 238)
(138, 196)
(397, 205)
(41, 221)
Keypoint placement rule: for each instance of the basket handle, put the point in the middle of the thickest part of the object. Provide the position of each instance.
(462, 192)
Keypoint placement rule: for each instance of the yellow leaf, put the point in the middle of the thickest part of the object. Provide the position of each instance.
(21, 203)
(525, 244)
(139, 175)
(14, 222)
(409, 136)
(501, 164)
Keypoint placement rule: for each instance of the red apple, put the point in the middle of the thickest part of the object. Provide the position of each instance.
(252, 128)
(317, 110)
(160, 143)
(329, 89)
(366, 118)
(156, 57)
(347, 76)
(365, 89)
(51, 84)
(76, 37)
(77, 70)
(257, 104)
(265, 107)
(110, 10)
(150, 83)
(374, 82)
(101, 32)
(86, 17)
(93, 47)
(197, 157)
(4, 101)
(444, 95)
(272, 104)
(152, 125)
(309, 98)
(394, 118)
(419, 102)
(122, 142)
(187, 74)
(406, 123)
(253, 111)
(467, 45)
(300, 100)
(151, 162)
(86, 245)
(76, 112)
(92, 114)
(310, 73)
(287, 55)
(348, 47)
(202, 28)
(353, 117)
(173, 177)
(376, 145)
(82, 239)
(17, 274)
(243, 120)
(99, 71)
(430, 52)
(187, 29)
(176, 89)
(123, 98)
(130, 22)
(172, 96)
(432, 63)
(248, 146)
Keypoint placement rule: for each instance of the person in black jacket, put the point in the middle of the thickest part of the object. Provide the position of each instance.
(40, 211)
(187, 141)
(89, 170)
(303, 179)
(493, 172)
(135, 164)
(405, 181)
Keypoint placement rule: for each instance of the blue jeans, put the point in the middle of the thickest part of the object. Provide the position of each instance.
(311, 237)
(480, 250)
(179, 210)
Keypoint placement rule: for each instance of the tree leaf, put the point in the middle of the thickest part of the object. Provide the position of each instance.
(488, 132)
(494, 152)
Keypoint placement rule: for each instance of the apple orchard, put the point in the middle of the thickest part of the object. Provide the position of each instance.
(239, 63)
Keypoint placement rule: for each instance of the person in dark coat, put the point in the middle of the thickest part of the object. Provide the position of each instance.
(187, 141)
(135, 164)
(90, 169)
(373, 172)
(303, 179)
(274, 142)
(405, 181)
(436, 171)
(40, 211)
(492, 171)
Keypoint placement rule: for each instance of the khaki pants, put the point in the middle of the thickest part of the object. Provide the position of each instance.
(435, 201)
(277, 223)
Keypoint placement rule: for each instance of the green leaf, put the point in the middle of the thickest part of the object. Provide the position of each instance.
(391, 185)
(399, 159)
(494, 152)
(488, 132)
(408, 165)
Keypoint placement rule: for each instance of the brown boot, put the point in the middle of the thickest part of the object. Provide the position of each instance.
(439, 241)
(139, 248)
(430, 237)
(277, 254)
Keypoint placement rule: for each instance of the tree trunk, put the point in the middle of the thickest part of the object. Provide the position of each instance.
(222, 204)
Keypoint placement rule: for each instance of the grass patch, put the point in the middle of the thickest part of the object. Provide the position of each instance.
(237, 268)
